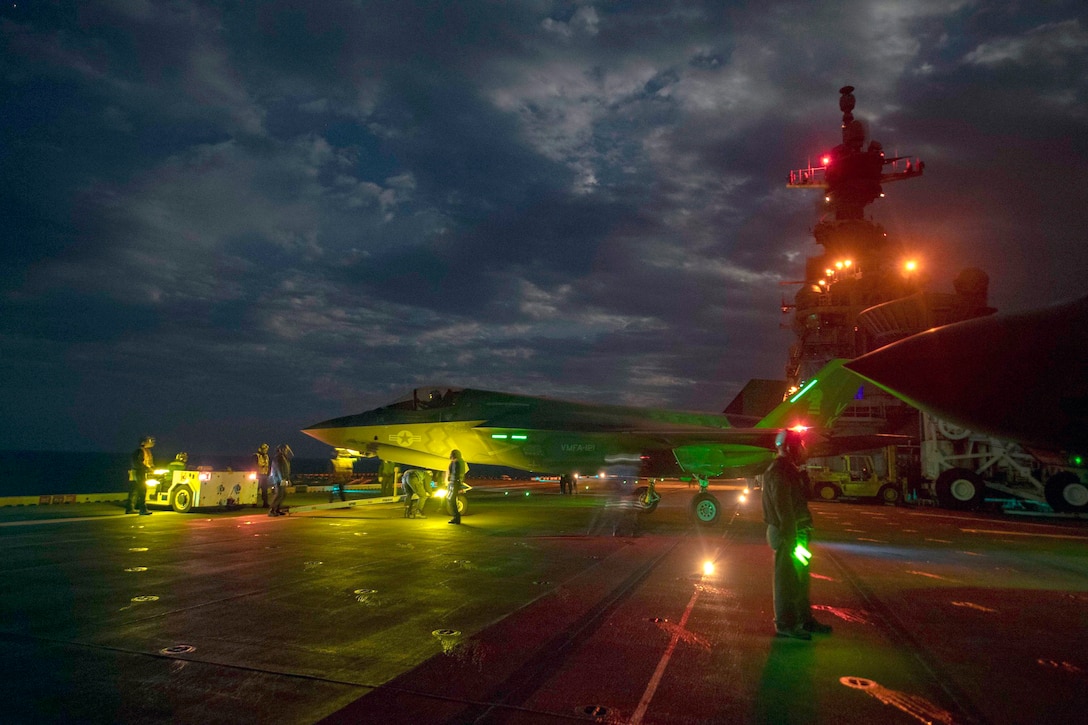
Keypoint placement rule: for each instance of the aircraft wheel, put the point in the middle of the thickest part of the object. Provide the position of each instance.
(827, 492)
(640, 495)
(706, 509)
(961, 489)
(1067, 493)
(952, 432)
(181, 499)
(890, 494)
(462, 505)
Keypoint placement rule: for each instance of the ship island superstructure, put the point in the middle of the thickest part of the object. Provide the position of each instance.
(865, 290)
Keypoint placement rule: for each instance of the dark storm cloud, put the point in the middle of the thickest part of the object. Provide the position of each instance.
(223, 222)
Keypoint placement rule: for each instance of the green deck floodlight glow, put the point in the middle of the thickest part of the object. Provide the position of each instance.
(802, 554)
(803, 390)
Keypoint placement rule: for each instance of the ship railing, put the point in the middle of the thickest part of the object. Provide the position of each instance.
(901, 167)
(810, 177)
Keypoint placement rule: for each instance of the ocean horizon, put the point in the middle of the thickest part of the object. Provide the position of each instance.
(35, 473)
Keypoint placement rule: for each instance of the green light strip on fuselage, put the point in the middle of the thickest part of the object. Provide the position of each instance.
(501, 436)
(803, 390)
(514, 436)
(519, 437)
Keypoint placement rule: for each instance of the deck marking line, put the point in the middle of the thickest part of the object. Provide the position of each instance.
(651, 688)
(1021, 533)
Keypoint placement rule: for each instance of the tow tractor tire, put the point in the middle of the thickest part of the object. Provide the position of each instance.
(706, 509)
(181, 499)
(640, 495)
(1066, 493)
(462, 505)
(827, 492)
(960, 489)
(889, 494)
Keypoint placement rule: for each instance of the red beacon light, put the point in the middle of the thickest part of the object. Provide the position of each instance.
(825, 160)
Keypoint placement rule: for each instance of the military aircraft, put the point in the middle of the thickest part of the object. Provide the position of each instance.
(1022, 377)
(560, 437)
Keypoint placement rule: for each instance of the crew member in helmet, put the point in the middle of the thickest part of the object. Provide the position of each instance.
(142, 465)
(456, 479)
(262, 464)
(180, 462)
(789, 523)
(280, 478)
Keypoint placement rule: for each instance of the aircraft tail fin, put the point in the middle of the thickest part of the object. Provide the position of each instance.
(819, 401)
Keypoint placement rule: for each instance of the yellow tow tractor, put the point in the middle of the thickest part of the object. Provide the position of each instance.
(854, 476)
(184, 491)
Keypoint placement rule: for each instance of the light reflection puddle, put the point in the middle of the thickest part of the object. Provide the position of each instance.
(846, 615)
(1063, 666)
(367, 597)
(917, 707)
(972, 605)
(930, 576)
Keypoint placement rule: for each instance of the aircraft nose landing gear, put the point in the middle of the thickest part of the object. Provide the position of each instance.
(647, 497)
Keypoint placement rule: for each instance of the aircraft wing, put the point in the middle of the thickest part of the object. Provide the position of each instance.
(838, 444)
(1023, 377)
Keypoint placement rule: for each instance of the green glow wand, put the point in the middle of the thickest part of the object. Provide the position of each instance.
(802, 554)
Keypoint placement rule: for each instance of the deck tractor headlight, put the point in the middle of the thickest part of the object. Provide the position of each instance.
(154, 480)
(441, 493)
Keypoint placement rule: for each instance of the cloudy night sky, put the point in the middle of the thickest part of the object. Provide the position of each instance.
(225, 221)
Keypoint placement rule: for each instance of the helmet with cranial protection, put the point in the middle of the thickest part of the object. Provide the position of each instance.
(790, 442)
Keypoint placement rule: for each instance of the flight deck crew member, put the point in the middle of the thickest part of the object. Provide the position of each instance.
(415, 483)
(280, 477)
(456, 479)
(261, 462)
(180, 462)
(785, 511)
(142, 465)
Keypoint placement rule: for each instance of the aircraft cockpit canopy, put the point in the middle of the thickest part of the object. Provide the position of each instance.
(430, 397)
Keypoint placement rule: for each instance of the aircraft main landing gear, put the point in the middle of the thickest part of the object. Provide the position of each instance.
(705, 508)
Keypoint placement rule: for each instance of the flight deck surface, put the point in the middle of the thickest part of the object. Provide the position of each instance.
(537, 609)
